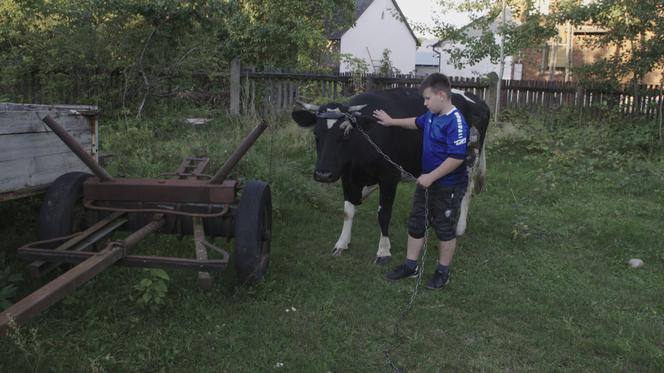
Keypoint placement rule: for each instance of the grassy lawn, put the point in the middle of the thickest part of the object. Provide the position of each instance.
(540, 280)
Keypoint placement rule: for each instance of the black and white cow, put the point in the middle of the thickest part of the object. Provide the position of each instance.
(344, 152)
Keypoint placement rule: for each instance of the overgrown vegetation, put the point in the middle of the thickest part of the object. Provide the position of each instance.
(9, 281)
(29, 345)
(609, 141)
(127, 54)
(540, 280)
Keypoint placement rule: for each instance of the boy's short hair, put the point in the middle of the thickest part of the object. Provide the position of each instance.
(437, 82)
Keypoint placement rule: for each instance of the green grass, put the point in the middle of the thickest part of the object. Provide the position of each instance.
(540, 281)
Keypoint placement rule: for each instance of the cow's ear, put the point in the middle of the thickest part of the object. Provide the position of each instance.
(304, 118)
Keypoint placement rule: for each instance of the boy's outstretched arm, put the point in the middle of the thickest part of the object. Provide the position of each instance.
(386, 120)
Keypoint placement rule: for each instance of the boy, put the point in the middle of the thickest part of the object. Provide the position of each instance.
(445, 137)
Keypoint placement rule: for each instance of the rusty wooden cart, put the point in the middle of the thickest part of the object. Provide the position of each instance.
(188, 203)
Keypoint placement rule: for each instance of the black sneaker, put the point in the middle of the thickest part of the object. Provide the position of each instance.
(439, 280)
(402, 271)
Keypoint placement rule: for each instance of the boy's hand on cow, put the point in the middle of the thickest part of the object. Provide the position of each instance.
(382, 117)
(425, 180)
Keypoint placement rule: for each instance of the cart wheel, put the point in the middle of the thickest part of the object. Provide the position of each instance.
(58, 215)
(253, 232)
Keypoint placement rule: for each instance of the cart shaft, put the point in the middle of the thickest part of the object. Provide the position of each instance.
(65, 284)
(77, 149)
(225, 170)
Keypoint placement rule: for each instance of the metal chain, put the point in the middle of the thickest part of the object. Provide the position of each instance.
(396, 343)
(405, 310)
(409, 176)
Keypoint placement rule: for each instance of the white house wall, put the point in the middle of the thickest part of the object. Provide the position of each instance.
(378, 29)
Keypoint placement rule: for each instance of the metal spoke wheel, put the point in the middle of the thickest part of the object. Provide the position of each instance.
(253, 232)
(61, 213)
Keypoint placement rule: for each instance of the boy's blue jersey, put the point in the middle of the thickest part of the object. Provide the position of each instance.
(445, 136)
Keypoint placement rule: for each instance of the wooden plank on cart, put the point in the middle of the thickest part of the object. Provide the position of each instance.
(31, 155)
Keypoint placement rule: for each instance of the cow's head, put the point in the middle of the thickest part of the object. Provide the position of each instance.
(334, 125)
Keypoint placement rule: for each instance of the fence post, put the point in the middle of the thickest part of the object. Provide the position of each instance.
(492, 93)
(578, 96)
(235, 86)
(370, 86)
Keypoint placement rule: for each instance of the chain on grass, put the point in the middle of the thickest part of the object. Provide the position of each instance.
(405, 310)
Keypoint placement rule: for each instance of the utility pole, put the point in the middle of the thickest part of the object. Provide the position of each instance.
(502, 62)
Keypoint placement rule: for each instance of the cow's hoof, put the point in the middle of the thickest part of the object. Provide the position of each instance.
(338, 251)
(382, 260)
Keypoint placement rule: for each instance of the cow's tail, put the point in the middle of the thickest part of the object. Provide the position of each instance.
(475, 185)
(481, 177)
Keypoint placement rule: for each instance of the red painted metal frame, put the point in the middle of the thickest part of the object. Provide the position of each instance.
(156, 190)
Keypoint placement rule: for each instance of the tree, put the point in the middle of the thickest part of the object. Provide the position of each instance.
(525, 28)
(635, 27)
(120, 53)
(387, 68)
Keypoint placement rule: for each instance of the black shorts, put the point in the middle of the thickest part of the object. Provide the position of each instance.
(444, 204)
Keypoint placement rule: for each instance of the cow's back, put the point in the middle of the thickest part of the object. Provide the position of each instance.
(397, 102)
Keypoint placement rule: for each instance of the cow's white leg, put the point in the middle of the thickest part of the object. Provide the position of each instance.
(384, 247)
(465, 204)
(344, 237)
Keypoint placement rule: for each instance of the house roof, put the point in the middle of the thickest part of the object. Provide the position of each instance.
(360, 7)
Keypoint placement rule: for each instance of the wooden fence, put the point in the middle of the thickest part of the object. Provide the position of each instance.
(553, 95)
(277, 91)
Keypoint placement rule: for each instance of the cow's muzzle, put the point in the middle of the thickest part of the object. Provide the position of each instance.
(324, 176)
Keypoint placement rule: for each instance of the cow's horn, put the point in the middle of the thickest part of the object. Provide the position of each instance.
(356, 108)
(311, 107)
